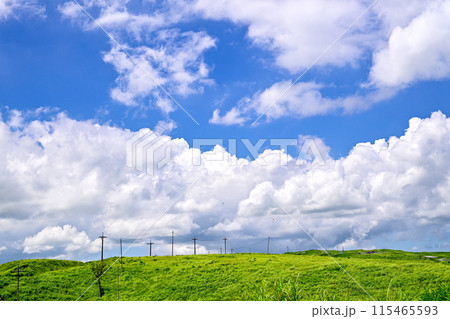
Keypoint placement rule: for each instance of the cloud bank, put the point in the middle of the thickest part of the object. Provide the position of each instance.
(65, 181)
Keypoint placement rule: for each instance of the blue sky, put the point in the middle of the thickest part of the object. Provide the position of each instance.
(51, 62)
(225, 64)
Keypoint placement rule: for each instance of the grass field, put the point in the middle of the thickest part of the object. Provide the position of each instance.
(310, 275)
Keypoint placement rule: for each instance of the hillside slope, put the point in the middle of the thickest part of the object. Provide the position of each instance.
(310, 275)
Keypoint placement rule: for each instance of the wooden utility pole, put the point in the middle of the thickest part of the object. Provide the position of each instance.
(118, 284)
(18, 282)
(172, 240)
(225, 240)
(231, 250)
(221, 250)
(268, 244)
(102, 237)
(120, 252)
(195, 245)
(150, 244)
(17, 273)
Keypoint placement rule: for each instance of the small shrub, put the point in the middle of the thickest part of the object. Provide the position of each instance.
(98, 268)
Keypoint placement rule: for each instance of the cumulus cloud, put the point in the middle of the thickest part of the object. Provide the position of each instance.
(416, 52)
(66, 172)
(17, 8)
(293, 30)
(51, 237)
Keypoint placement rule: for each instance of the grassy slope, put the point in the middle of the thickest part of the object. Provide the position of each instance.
(387, 275)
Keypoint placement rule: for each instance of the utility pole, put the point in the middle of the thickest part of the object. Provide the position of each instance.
(225, 240)
(118, 299)
(231, 250)
(17, 273)
(120, 252)
(268, 244)
(195, 245)
(287, 249)
(172, 241)
(150, 244)
(221, 250)
(102, 237)
(18, 282)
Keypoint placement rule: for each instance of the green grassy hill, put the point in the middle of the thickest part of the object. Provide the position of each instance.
(310, 275)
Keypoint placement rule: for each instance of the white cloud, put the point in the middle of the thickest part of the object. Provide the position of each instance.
(162, 56)
(2, 248)
(407, 40)
(296, 31)
(234, 116)
(51, 237)
(17, 8)
(67, 172)
(177, 66)
(115, 15)
(303, 99)
(165, 127)
(419, 51)
(399, 13)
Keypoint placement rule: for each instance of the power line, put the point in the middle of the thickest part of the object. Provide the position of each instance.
(128, 240)
(159, 235)
(252, 245)
(211, 240)
(185, 239)
(195, 239)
